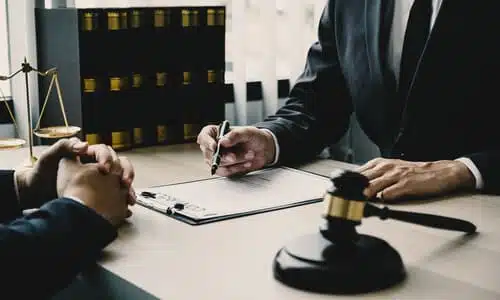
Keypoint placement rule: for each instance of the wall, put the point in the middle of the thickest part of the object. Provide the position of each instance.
(21, 26)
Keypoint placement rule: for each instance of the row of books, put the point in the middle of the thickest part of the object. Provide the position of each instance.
(159, 80)
(124, 113)
(130, 18)
(152, 39)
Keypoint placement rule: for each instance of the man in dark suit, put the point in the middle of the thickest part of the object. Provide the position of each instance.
(421, 77)
(80, 206)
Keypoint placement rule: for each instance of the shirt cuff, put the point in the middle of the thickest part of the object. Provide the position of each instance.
(276, 147)
(474, 170)
(76, 200)
(15, 186)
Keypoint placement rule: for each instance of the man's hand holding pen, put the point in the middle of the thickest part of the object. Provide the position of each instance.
(241, 150)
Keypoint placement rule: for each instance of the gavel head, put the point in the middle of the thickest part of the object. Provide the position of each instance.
(344, 206)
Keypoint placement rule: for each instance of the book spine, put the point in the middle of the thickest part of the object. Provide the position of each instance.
(92, 70)
(117, 103)
(140, 24)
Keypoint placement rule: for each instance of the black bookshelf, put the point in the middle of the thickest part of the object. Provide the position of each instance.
(134, 77)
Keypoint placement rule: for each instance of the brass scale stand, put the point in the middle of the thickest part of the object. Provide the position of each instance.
(53, 132)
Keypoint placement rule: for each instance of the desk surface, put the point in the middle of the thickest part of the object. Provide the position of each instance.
(233, 259)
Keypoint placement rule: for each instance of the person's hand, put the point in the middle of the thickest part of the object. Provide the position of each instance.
(37, 185)
(245, 149)
(105, 193)
(393, 179)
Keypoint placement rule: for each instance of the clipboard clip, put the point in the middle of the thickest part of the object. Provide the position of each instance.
(173, 209)
(148, 194)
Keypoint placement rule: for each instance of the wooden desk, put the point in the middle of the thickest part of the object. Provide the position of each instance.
(158, 257)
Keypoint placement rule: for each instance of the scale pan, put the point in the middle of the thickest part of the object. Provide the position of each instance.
(57, 132)
(11, 143)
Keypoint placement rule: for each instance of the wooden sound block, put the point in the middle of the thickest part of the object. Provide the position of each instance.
(315, 264)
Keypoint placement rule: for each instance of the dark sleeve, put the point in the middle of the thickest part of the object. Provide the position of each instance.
(9, 205)
(318, 109)
(43, 252)
(487, 160)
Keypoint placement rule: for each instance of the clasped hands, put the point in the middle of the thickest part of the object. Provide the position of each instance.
(248, 148)
(104, 185)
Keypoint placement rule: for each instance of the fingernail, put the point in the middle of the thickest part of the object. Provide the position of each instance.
(247, 165)
(249, 155)
(107, 165)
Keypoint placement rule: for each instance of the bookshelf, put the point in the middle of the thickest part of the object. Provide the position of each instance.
(138, 76)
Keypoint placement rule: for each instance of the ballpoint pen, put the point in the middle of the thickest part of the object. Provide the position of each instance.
(223, 129)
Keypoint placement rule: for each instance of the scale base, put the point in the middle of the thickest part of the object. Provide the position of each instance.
(313, 263)
(30, 162)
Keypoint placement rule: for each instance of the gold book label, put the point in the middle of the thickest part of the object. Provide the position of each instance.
(161, 133)
(136, 19)
(138, 136)
(115, 84)
(89, 21)
(221, 17)
(161, 79)
(123, 20)
(89, 85)
(210, 17)
(120, 139)
(211, 76)
(159, 18)
(190, 131)
(186, 78)
(186, 18)
(92, 138)
(136, 80)
(113, 21)
(195, 18)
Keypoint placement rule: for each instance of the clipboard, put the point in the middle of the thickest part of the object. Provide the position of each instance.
(220, 198)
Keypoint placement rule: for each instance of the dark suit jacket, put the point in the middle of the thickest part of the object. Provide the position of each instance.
(43, 252)
(450, 110)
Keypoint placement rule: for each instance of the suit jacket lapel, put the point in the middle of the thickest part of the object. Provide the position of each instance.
(362, 30)
(378, 23)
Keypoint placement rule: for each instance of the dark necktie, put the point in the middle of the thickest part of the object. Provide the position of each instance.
(417, 31)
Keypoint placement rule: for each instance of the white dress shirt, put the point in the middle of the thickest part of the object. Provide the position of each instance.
(400, 20)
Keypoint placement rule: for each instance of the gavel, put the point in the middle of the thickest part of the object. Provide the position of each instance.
(338, 260)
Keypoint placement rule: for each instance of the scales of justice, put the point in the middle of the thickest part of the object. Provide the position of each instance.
(53, 132)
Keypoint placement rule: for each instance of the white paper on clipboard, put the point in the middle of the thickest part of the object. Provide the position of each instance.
(222, 196)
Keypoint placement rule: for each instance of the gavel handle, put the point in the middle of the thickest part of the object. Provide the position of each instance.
(428, 220)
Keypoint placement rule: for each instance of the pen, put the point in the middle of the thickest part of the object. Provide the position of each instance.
(223, 129)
